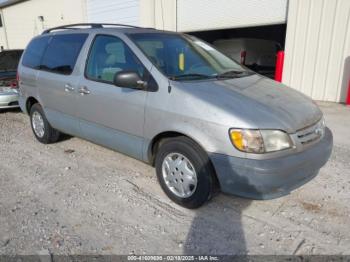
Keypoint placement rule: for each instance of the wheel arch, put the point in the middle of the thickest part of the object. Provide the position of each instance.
(30, 102)
(156, 142)
(157, 139)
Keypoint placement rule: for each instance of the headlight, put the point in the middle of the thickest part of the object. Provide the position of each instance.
(260, 141)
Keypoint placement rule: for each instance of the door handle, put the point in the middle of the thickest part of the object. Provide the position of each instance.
(68, 88)
(84, 90)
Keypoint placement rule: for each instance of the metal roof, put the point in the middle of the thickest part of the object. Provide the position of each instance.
(10, 2)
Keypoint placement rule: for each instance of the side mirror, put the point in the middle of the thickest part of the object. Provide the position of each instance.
(129, 79)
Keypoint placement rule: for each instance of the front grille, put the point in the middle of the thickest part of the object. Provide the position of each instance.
(311, 133)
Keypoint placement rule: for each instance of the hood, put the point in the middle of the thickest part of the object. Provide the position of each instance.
(258, 102)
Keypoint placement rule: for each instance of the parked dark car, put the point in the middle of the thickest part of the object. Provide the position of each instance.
(9, 60)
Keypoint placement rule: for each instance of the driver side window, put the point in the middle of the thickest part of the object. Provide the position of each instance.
(108, 56)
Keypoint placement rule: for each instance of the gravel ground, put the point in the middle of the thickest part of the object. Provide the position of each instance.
(75, 197)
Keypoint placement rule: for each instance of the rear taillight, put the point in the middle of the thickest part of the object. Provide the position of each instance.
(243, 57)
(14, 84)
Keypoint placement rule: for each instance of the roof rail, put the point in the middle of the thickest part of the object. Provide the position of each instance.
(91, 25)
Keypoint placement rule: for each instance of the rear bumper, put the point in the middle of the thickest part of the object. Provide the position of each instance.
(8, 100)
(22, 104)
(272, 178)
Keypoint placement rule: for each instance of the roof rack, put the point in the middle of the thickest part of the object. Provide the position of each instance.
(91, 25)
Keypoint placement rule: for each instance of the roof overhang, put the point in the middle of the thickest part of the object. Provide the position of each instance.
(10, 2)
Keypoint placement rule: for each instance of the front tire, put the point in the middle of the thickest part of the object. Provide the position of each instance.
(42, 129)
(184, 172)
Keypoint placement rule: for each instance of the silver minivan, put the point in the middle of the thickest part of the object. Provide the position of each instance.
(175, 102)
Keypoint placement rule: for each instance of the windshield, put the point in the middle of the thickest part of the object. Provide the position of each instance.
(185, 57)
(9, 60)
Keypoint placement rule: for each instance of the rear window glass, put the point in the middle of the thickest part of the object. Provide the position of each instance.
(34, 52)
(9, 60)
(62, 53)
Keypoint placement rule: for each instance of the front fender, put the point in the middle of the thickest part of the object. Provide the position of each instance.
(210, 136)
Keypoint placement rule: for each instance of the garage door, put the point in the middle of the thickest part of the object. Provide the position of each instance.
(117, 11)
(199, 15)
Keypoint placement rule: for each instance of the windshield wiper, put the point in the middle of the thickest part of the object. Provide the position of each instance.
(177, 77)
(233, 74)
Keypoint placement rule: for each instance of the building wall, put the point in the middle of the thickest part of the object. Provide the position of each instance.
(317, 48)
(117, 11)
(199, 15)
(3, 43)
(3, 39)
(22, 22)
(160, 14)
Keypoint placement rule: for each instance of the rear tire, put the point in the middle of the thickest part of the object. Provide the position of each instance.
(41, 128)
(184, 172)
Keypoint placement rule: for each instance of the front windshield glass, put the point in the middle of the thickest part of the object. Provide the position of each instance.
(186, 57)
(9, 60)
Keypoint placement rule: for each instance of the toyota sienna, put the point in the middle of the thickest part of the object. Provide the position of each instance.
(172, 100)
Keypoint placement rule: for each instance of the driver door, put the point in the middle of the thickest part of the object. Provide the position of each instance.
(111, 115)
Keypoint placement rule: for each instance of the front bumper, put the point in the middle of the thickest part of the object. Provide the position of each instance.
(272, 178)
(8, 100)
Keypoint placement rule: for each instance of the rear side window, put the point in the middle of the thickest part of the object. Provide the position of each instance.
(34, 52)
(62, 53)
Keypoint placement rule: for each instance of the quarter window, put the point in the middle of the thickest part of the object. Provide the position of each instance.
(34, 52)
(62, 53)
(108, 56)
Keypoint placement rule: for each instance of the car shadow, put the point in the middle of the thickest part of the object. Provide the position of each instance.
(64, 137)
(217, 227)
(217, 230)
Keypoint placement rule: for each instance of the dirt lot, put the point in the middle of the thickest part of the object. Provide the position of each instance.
(79, 198)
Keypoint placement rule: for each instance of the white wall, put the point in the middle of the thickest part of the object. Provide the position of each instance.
(199, 15)
(3, 42)
(113, 11)
(3, 39)
(317, 58)
(22, 22)
(160, 14)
